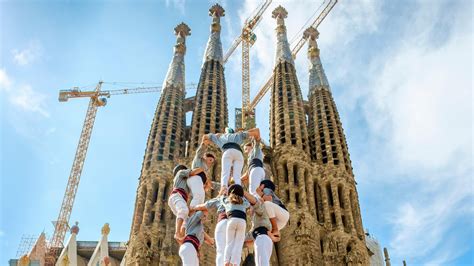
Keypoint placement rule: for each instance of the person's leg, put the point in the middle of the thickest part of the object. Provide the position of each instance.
(257, 174)
(188, 255)
(197, 189)
(229, 238)
(238, 242)
(225, 167)
(179, 207)
(263, 250)
(220, 236)
(238, 164)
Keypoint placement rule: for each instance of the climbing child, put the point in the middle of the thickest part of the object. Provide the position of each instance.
(255, 171)
(275, 208)
(235, 207)
(260, 233)
(221, 226)
(232, 157)
(179, 197)
(195, 236)
(196, 183)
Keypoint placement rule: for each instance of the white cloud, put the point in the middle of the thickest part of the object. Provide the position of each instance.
(26, 99)
(178, 4)
(22, 96)
(419, 102)
(416, 98)
(27, 56)
(5, 81)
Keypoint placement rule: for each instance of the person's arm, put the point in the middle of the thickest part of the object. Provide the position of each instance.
(208, 240)
(201, 150)
(254, 132)
(250, 198)
(196, 171)
(199, 207)
(213, 137)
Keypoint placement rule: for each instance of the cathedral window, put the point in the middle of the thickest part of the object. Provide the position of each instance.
(330, 197)
(155, 192)
(151, 218)
(297, 198)
(295, 174)
(333, 220)
(340, 195)
(165, 192)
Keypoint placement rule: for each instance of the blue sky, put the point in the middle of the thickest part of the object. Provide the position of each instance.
(400, 72)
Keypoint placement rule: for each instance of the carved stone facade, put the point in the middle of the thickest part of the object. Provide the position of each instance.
(308, 160)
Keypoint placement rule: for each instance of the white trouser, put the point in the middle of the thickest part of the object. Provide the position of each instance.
(231, 158)
(219, 236)
(188, 254)
(275, 211)
(178, 206)
(257, 174)
(263, 246)
(235, 236)
(197, 189)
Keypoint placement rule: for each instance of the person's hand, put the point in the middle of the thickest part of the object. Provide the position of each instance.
(179, 238)
(210, 241)
(244, 179)
(274, 238)
(223, 191)
(249, 243)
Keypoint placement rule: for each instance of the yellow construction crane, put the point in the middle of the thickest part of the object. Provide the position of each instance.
(98, 98)
(294, 52)
(247, 38)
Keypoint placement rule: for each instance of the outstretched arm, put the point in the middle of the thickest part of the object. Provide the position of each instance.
(199, 207)
(250, 198)
(209, 240)
(254, 132)
(196, 171)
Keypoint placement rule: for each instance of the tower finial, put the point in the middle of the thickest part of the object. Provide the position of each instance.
(311, 34)
(216, 12)
(283, 52)
(182, 29)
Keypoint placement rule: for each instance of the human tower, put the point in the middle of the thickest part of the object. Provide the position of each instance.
(268, 213)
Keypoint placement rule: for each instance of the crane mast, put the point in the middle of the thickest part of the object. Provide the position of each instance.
(247, 38)
(294, 52)
(62, 223)
(97, 99)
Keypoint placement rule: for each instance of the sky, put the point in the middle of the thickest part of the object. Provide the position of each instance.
(400, 73)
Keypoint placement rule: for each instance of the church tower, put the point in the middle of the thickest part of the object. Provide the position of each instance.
(151, 237)
(292, 169)
(210, 106)
(333, 192)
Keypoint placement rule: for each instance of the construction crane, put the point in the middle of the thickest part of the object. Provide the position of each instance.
(247, 38)
(294, 52)
(98, 98)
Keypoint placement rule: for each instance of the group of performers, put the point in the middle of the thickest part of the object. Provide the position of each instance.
(187, 201)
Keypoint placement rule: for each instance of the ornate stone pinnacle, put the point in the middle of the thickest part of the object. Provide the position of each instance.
(311, 33)
(182, 30)
(75, 229)
(280, 12)
(216, 11)
(105, 229)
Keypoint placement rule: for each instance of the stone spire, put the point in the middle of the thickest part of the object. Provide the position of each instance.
(214, 45)
(150, 240)
(334, 194)
(387, 257)
(283, 51)
(210, 105)
(175, 74)
(317, 77)
(289, 140)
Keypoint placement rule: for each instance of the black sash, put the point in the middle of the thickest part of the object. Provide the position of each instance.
(255, 163)
(237, 214)
(231, 145)
(194, 241)
(203, 177)
(262, 230)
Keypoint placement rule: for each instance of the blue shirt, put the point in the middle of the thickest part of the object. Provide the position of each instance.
(256, 152)
(236, 207)
(217, 202)
(275, 199)
(179, 180)
(222, 139)
(198, 161)
(195, 227)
